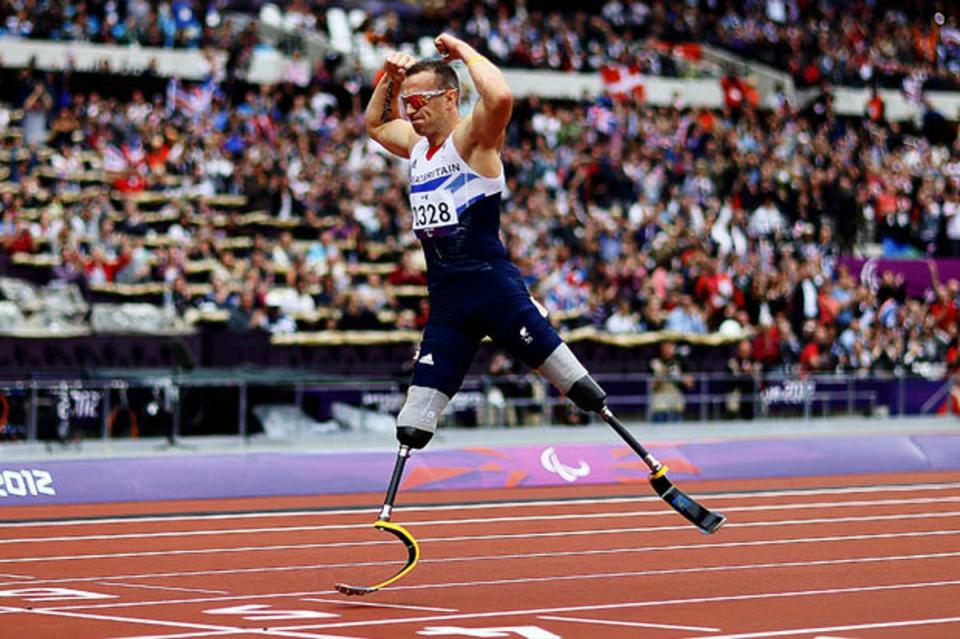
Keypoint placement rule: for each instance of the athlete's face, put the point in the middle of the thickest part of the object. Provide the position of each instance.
(427, 105)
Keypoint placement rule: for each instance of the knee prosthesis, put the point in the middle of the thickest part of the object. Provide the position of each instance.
(564, 370)
(587, 394)
(417, 421)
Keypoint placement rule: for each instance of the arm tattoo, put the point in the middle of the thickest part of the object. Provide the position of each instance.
(385, 115)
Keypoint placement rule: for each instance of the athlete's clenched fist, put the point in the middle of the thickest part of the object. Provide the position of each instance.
(397, 63)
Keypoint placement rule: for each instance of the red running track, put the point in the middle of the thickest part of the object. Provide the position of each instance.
(856, 557)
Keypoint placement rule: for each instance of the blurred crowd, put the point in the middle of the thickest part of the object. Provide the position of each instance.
(853, 43)
(176, 24)
(850, 42)
(622, 216)
(700, 221)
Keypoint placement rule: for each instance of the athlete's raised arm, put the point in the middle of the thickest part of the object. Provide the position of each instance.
(382, 116)
(486, 126)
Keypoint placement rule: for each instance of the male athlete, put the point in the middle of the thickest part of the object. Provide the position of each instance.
(456, 183)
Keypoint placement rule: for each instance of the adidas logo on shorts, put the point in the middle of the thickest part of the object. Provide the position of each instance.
(427, 359)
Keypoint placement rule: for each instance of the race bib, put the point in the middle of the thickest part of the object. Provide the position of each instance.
(433, 210)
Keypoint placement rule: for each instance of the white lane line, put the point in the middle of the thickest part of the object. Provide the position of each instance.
(266, 632)
(704, 546)
(355, 602)
(537, 535)
(862, 626)
(191, 573)
(557, 578)
(184, 635)
(636, 604)
(205, 600)
(469, 558)
(631, 624)
(922, 501)
(7, 575)
(746, 495)
(171, 588)
(672, 571)
(282, 632)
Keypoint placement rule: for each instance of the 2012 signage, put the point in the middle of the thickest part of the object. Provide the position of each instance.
(26, 483)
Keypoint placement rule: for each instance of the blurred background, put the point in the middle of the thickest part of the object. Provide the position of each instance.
(733, 211)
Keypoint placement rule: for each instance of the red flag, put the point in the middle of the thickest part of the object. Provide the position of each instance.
(621, 81)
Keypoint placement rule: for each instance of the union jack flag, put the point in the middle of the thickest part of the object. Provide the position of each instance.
(602, 119)
(190, 101)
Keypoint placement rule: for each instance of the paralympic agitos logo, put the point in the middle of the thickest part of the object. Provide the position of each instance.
(552, 463)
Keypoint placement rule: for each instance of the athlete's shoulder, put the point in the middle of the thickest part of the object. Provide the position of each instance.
(420, 146)
(481, 160)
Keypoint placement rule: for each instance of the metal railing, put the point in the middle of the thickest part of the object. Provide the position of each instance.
(175, 406)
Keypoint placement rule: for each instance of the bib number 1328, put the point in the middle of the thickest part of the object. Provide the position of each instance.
(432, 210)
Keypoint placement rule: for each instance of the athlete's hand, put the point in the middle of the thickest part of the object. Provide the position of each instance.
(449, 47)
(396, 65)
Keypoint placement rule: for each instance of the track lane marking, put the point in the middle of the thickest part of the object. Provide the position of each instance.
(172, 588)
(637, 604)
(862, 626)
(183, 635)
(501, 520)
(281, 632)
(556, 578)
(220, 633)
(205, 600)
(268, 632)
(676, 571)
(562, 553)
(632, 624)
(538, 534)
(380, 605)
(746, 495)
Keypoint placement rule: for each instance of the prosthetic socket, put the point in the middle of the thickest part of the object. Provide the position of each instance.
(418, 419)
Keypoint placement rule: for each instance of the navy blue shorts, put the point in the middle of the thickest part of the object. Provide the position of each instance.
(477, 304)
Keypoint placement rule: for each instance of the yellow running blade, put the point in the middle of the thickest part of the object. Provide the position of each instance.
(413, 556)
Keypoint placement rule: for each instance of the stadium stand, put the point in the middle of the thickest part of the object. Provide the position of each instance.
(242, 207)
(740, 215)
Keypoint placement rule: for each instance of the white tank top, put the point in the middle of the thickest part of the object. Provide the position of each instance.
(456, 211)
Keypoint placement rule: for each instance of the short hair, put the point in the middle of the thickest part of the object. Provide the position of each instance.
(446, 76)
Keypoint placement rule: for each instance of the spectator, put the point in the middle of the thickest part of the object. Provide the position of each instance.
(767, 220)
(875, 107)
(357, 316)
(278, 322)
(653, 317)
(667, 400)
(506, 383)
(101, 269)
(71, 269)
(741, 397)
(622, 320)
(405, 274)
(247, 315)
(36, 109)
(220, 297)
(371, 294)
(816, 356)
(686, 318)
(182, 296)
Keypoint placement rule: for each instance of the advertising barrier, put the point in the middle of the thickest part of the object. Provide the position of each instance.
(192, 476)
